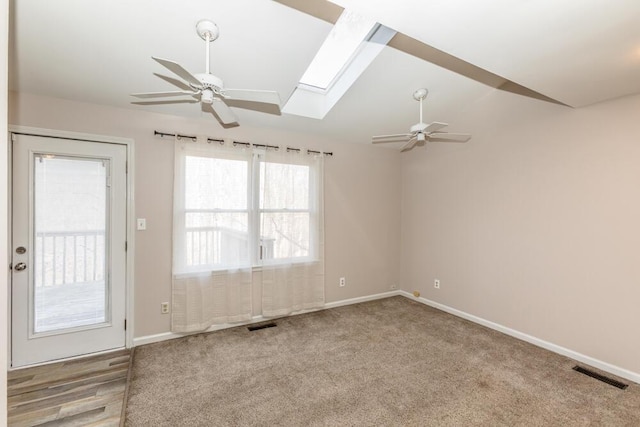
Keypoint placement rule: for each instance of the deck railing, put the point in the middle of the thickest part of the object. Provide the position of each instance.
(65, 257)
(220, 246)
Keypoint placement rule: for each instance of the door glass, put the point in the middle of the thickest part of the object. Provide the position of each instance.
(70, 287)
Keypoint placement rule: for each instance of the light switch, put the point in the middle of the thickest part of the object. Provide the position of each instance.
(142, 224)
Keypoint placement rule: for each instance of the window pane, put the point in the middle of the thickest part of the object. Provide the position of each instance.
(217, 239)
(215, 183)
(284, 186)
(285, 235)
(70, 203)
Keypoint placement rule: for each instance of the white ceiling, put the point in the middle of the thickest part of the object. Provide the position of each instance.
(575, 51)
(578, 52)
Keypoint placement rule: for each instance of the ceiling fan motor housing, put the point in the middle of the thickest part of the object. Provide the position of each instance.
(209, 81)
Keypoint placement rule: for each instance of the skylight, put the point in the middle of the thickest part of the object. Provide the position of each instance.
(337, 50)
(353, 43)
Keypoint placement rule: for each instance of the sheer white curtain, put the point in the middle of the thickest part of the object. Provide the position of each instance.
(212, 274)
(291, 216)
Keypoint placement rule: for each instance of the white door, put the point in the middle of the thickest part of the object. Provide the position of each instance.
(68, 248)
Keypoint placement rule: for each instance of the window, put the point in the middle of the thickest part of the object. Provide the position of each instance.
(236, 209)
(216, 212)
(284, 211)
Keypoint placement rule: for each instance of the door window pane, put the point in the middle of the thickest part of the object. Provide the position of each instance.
(70, 218)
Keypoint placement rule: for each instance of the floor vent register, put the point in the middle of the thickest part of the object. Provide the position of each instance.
(599, 377)
(262, 326)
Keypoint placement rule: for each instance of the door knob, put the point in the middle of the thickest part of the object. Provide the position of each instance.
(20, 266)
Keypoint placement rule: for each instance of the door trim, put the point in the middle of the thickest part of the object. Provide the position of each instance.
(130, 220)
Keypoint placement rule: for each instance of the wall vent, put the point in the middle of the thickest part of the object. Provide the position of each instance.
(599, 377)
(262, 326)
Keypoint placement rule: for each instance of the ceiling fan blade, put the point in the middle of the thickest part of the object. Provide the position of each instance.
(262, 96)
(178, 70)
(265, 101)
(449, 137)
(167, 102)
(412, 142)
(178, 83)
(162, 94)
(224, 113)
(432, 127)
(401, 137)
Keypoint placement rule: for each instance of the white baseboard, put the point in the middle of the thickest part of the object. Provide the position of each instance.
(361, 299)
(607, 367)
(148, 339)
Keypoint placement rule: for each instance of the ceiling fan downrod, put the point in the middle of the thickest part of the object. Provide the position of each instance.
(419, 96)
(209, 32)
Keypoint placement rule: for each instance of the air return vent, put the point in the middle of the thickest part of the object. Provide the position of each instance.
(262, 326)
(599, 377)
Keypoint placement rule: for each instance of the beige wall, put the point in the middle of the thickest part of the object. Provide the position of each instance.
(362, 198)
(535, 223)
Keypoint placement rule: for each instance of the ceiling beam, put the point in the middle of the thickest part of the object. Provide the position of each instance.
(321, 9)
(330, 12)
(429, 53)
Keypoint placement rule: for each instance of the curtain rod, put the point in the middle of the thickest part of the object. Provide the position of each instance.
(246, 144)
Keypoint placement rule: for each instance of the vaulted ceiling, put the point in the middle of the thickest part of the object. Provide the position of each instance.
(572, 52)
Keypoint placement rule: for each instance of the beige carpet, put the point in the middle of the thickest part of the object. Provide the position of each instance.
(380, 363)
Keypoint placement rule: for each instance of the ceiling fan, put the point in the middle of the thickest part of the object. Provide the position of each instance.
(422, 132)
(209, 89)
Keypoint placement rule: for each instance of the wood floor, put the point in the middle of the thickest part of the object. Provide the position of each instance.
(83, 392)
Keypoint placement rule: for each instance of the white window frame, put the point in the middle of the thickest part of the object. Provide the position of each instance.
(254, 158)
(259, 260)
(180, 220)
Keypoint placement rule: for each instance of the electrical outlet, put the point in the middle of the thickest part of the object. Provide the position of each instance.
(392, 286)
(436, 283)
(343, 282)
(164, 308)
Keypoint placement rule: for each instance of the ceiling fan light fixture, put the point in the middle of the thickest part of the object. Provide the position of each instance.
(207, 96)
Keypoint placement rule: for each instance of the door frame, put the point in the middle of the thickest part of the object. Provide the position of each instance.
(130, 220)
